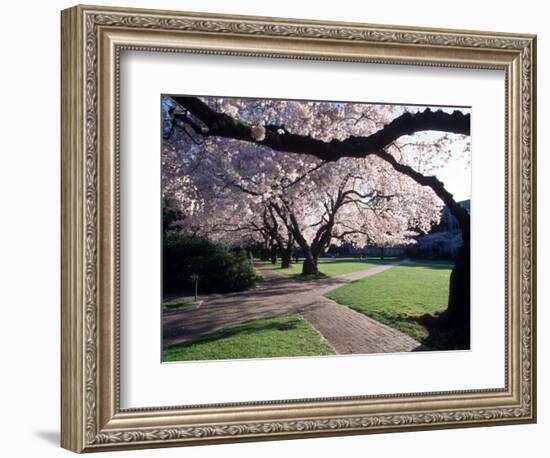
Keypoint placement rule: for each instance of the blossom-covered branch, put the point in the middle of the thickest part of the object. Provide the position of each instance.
(223, 125)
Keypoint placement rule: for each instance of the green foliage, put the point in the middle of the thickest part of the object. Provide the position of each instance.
(171, 213)
(178, 305)
(281, 336)
(219, 269)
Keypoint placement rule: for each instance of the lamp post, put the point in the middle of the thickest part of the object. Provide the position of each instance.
(195, 278)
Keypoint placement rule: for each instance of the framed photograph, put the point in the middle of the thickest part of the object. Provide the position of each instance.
(277, 228)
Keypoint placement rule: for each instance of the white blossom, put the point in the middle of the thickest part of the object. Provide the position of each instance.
(224, 186)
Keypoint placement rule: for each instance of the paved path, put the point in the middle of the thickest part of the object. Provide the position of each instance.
(345, 329)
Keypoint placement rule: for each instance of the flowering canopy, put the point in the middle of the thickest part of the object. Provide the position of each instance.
(236, 188)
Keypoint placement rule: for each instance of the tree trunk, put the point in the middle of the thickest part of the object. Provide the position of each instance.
(458, 311)
(286, 253)
(264, 254)
(286, 257)
(310, 265)
(273, 254)
(382, 253)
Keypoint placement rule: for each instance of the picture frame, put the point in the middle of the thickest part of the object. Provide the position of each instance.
(93, 39)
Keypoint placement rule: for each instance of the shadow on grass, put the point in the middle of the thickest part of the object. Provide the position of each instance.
(357, 260)
(438, 265)
(442, 335)
(249, 327)
(308, 278)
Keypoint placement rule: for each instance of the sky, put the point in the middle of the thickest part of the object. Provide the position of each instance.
(456, 174)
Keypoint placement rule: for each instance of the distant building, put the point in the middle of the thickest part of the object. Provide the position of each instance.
(443, 240)
(449, 222)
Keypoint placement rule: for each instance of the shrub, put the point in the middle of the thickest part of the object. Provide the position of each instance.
(219, 269)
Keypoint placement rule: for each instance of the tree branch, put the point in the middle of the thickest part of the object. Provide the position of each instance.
(461, 214)
(223, 125)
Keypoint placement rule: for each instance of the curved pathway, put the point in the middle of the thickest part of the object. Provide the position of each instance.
(345, 329)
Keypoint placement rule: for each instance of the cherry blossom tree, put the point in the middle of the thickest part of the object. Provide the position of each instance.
(299, 199)
(322, 172)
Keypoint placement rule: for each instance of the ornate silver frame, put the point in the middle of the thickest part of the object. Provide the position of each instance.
(92, 38)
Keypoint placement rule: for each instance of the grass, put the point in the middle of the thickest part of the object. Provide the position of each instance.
(280, 336)
(405, 297)
(330, 267)
(178, 304)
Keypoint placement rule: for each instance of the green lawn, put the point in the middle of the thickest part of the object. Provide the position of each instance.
(287, 335)
(330, 267)
(403, 297)
(177, 304)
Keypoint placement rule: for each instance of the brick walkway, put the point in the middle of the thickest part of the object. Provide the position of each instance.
(346, 330)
